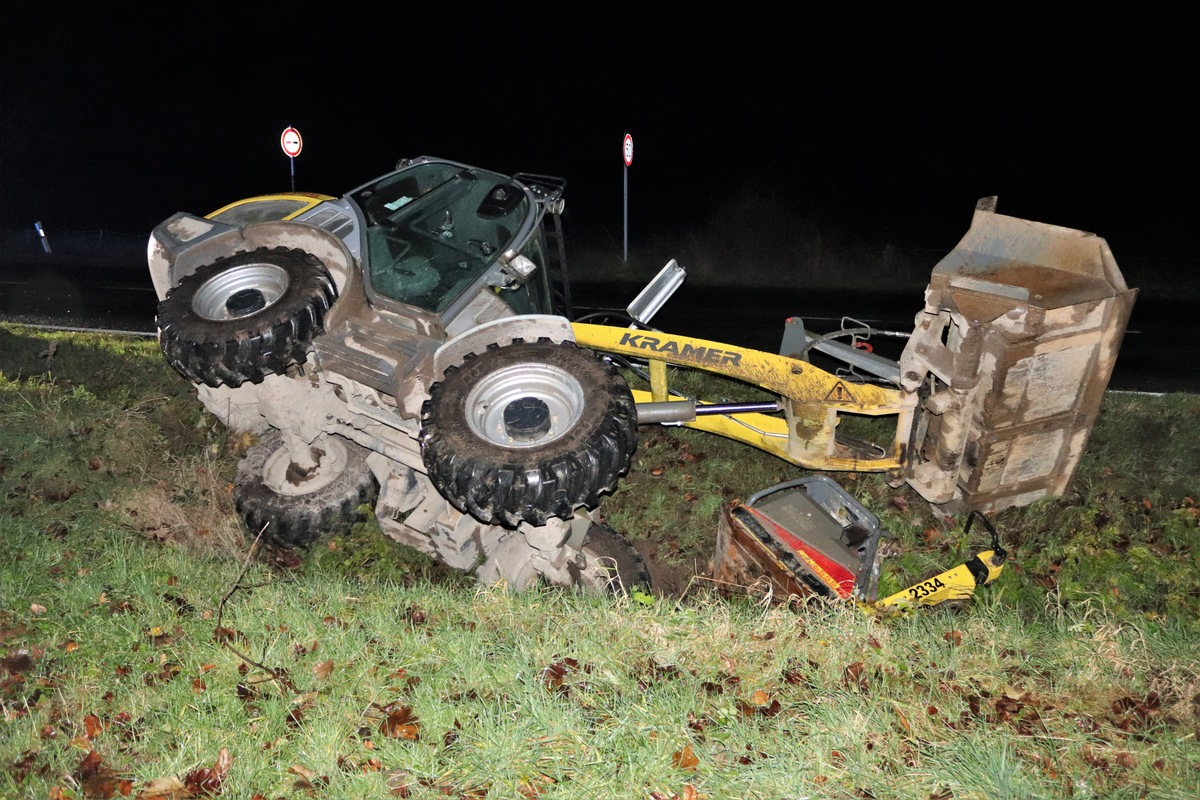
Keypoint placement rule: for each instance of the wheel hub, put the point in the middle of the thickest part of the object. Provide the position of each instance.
(240, 291)
(525, 405)
(285, 478)
(244, 302)
(527, 418)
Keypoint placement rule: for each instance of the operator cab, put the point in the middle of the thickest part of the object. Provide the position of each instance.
(439, 232)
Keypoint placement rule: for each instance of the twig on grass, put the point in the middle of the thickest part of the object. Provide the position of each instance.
(277, 674)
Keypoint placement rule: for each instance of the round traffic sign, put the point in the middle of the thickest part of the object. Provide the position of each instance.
(628, 149)
(291, 142)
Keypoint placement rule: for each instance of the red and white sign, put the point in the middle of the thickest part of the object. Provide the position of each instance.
(628, 149)
(291, 142)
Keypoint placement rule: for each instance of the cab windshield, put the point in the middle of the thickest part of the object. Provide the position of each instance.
(433, 229)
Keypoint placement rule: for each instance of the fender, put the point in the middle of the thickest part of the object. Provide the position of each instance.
(182, 243)
(505, 330)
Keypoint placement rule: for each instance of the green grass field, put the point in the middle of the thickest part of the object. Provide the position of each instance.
(143, 655)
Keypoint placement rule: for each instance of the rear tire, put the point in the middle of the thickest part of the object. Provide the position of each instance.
(245, 316)
(297, 510)
(528, 431)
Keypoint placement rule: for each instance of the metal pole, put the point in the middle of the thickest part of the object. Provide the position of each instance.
(625, 257)
(293, 160)
(42, 234)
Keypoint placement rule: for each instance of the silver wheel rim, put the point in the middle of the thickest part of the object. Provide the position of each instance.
(211, 301)
(332, 463)
(556, 388)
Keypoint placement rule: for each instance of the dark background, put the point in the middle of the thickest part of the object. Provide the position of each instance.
(883, 128)
(889, 124)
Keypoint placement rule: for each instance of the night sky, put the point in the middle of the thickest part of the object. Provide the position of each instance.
(889, 126)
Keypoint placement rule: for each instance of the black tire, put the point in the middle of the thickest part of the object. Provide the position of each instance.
(271, 498)
(505, 465)
(625, 567)
(245, 316)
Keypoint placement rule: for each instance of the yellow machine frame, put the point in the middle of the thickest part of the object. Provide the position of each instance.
(812, 400)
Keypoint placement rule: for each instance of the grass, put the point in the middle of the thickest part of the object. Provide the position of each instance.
(134, 652)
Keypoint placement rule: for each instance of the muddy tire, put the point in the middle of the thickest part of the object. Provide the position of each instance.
(245, 316)
(296, 510)
(617, 567)
(528, 431)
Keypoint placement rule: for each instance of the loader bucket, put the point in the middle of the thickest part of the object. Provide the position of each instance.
(1011, 356)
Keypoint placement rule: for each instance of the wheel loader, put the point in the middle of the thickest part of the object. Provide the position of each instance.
(410, 346)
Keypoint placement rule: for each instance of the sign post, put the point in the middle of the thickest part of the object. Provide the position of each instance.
(291, 143)
(42, 235)
(627, 152)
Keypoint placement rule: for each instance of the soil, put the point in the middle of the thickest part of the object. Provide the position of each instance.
(670, 578)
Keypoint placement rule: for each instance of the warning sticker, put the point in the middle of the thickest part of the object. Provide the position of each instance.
(840, 394)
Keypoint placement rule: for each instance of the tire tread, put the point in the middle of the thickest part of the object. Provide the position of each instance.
(509, 486)
(216, 353)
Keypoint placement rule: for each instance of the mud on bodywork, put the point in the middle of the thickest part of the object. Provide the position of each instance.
(1011, 357)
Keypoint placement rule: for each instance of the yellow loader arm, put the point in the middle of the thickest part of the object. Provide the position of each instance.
(811, 399)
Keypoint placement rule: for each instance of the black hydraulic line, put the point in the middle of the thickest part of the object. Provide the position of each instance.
(610, 315)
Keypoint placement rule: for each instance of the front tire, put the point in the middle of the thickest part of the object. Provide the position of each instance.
(293, 509)
(528, 431)
(245, 316)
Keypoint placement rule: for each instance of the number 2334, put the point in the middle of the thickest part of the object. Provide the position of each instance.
(925, 588)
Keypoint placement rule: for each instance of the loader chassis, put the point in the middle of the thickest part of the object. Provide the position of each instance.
(406, 346)
(431, 270)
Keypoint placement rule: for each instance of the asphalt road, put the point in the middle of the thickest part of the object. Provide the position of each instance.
(1153, 354)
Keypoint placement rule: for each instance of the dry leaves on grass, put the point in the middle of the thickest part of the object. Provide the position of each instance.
(102, 782)
(399, 722)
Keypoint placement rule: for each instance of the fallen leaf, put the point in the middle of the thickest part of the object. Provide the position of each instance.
(400, 723)
(554, 674)
(18, 663)
(223, 635)
(302, 771)
(207, 781)
(532, 788)
(99, 780)
(855, 676)
(37, 608)
(169, 788)
(401, 783)
(323, 670)
(685, 759)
